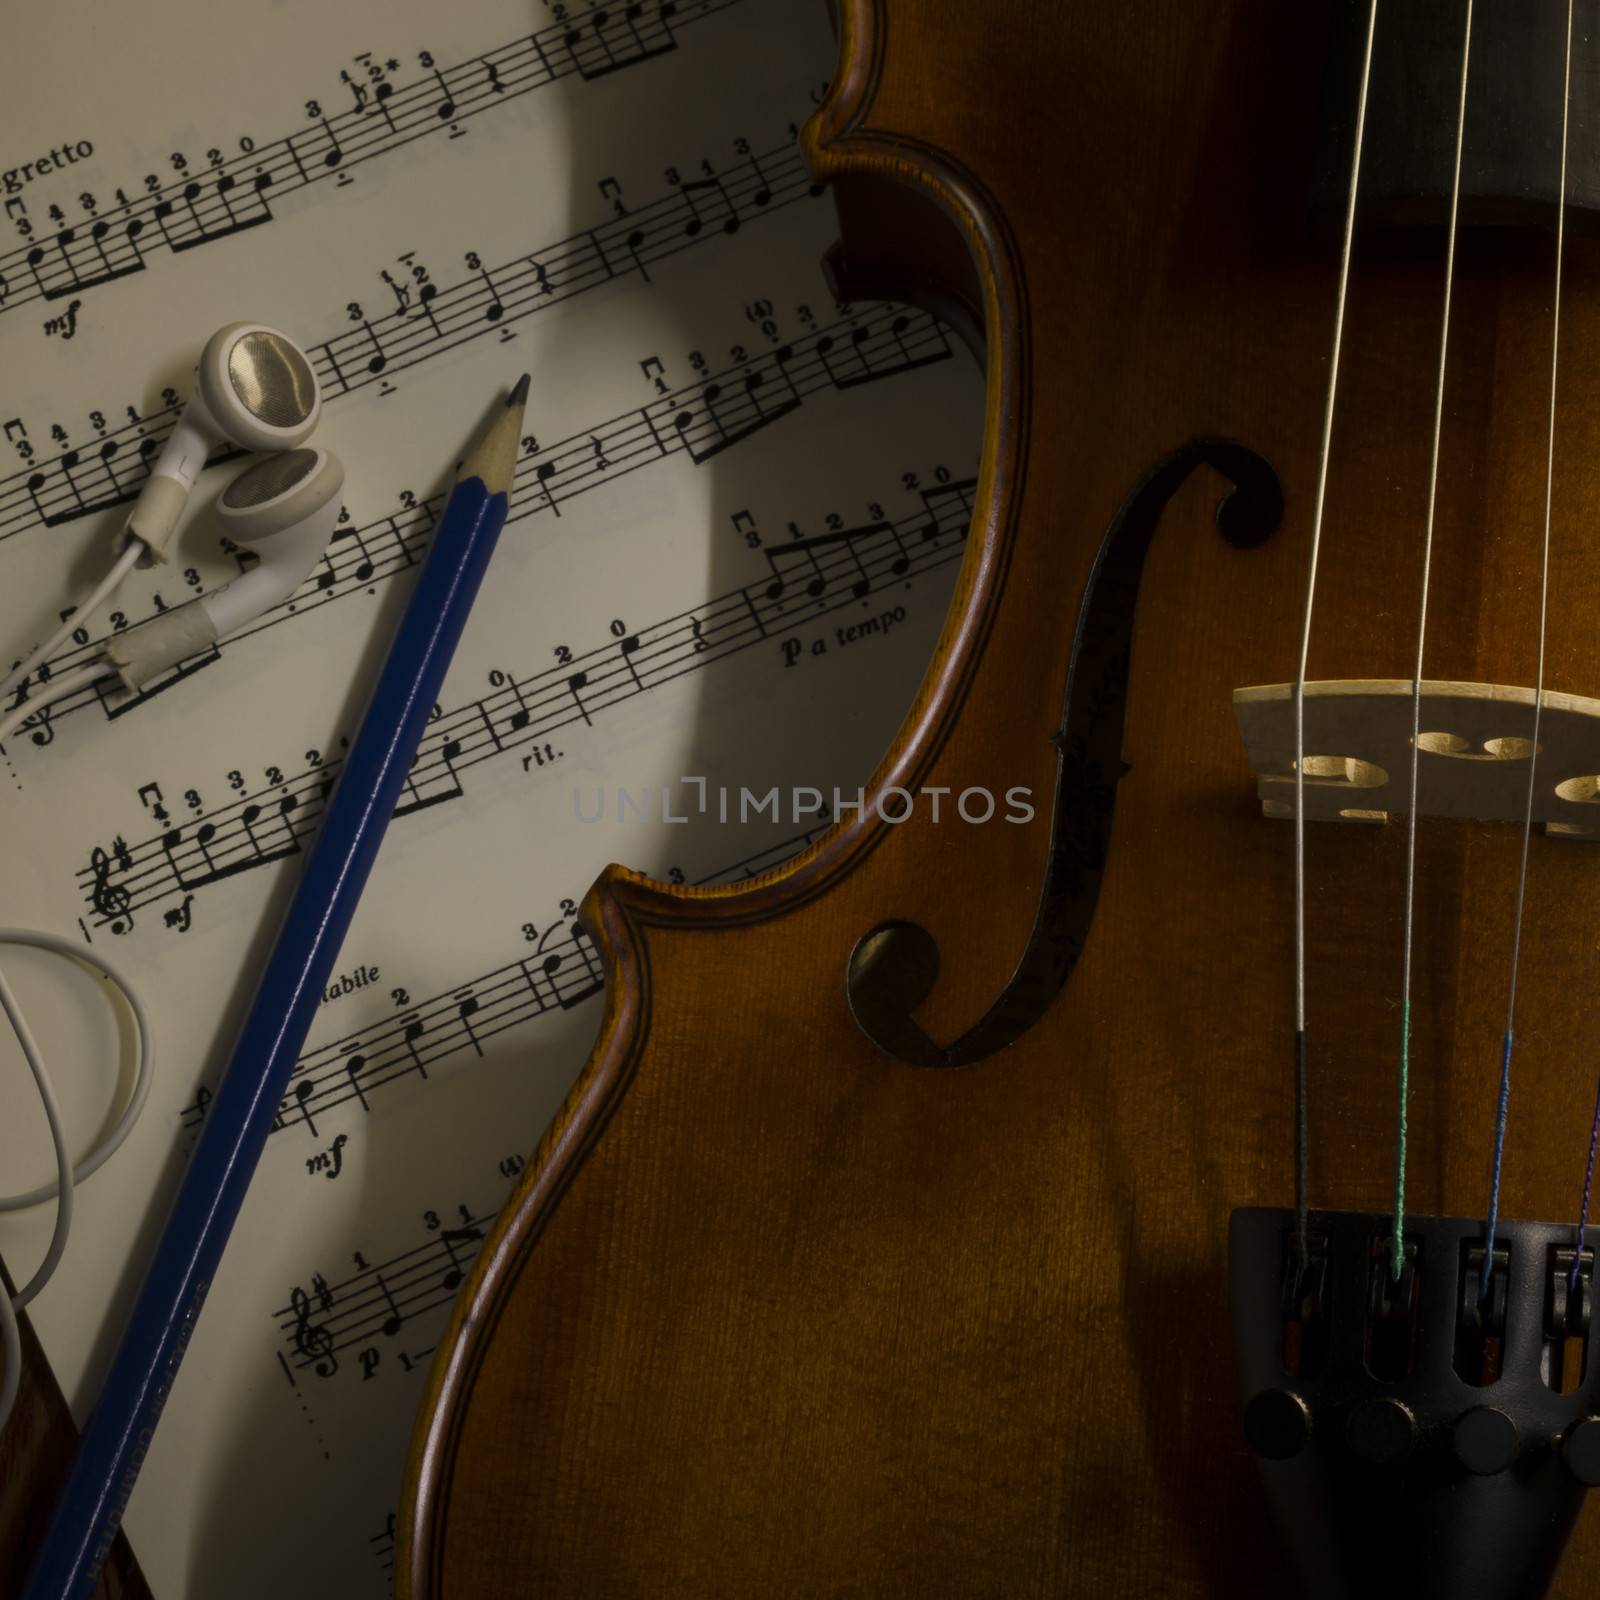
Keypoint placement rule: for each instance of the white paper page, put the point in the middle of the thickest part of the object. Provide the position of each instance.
(454, 197)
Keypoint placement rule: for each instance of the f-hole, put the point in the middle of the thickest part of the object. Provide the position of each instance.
(895, 965)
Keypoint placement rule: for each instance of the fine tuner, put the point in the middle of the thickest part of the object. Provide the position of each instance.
(256, 390)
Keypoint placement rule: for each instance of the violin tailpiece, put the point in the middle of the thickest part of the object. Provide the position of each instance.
(1429, 1434)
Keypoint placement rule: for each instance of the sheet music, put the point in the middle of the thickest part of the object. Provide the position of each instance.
(738, 514)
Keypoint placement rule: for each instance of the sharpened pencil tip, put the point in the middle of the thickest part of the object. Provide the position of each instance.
(519, 395)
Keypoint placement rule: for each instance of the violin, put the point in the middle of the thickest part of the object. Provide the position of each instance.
(1182, 1189)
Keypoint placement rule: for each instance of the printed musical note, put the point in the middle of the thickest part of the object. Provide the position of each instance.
(380, 1299)
(361, 565)
(606, 42)
(299, 1099)
(146, 692)
(381, 97)
(377, 361)
(132, 260)
(433, 778)
(735, 412)
(849, 367)
(414, 1029)
(358, 90)
(707, 187)
(575, 683)
(466, 1009)
(401, 291)
(805, 553)
(446, 109)
(354, 1066)
(69, 278)
(214, 866)
(444, 1023)
(115, 492)
(333, 155)
(834, 566)
(635, 243)
(610, 40)
(288, 843)
(627, 648)
(376, 348)
(523, 715)
(494, 310)
(544, 473)
(591, 977)
(199, 229)
(564, 973)
(762, 194)
(392, 1323)
(450, 1238)
(426, 295)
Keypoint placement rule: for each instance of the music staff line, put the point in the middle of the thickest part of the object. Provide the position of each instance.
(236, 195)
(809, 579)
(460, 1019)
(447, 1025)
(88, 479)
(377, 1300)
(382, 1543)
(700, 420)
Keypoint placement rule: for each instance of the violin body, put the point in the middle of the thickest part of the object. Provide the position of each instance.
(776, 1309)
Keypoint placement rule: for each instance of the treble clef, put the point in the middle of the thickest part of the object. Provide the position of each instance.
(110, 900)
(312, 1341)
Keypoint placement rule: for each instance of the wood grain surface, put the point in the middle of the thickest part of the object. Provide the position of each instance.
(775, 1313)
(36, 1448)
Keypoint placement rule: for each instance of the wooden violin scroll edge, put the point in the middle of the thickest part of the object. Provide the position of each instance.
(986, 283)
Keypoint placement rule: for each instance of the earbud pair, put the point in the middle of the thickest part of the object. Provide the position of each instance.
(256, 389)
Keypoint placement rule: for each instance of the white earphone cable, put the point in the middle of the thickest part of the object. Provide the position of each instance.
(76, 618)
(53, 690)
(66, 1174)
(291, 498)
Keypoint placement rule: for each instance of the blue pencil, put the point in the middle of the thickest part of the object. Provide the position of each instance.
(117, 1437)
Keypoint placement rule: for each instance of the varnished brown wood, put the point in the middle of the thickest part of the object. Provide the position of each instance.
(36, 1448)
(774, 1313)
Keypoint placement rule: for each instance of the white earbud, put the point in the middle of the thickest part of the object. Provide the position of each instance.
(255, 388)
(284, 509)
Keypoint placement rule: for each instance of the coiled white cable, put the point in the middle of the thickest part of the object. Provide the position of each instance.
(67, 1175)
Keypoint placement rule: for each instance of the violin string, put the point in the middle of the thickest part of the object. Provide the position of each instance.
(1301, 1141)
(1398, 1236)
(1504, 1104)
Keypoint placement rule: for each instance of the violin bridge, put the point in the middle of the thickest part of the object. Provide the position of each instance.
(1475, 745)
